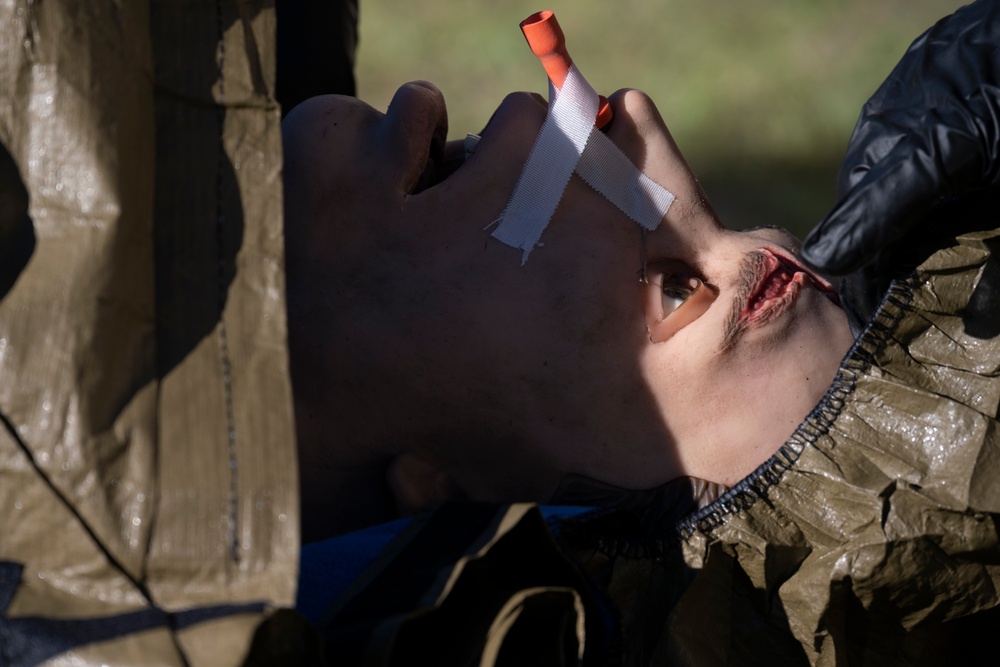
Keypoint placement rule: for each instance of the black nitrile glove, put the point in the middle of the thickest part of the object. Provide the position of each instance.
(931, 131)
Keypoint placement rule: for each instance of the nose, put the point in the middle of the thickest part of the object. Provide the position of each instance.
(690, 228)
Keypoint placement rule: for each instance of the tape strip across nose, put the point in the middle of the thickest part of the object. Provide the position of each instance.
(568, 142)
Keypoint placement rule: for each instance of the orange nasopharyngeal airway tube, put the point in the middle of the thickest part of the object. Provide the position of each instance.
(547, 42)
(568, 142)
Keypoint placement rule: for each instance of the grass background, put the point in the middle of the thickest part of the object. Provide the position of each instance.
(761, 96)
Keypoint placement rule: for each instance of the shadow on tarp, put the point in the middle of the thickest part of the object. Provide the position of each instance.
(17, 233)
(198, 204)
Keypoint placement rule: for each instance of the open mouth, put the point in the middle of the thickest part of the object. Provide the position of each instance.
(778, 281)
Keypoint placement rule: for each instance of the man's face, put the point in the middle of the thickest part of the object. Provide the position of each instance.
(695, 351)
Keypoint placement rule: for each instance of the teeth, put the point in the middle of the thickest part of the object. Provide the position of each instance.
(777, 283)
(783, 280)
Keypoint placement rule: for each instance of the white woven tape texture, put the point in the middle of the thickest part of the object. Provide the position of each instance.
(568, 142)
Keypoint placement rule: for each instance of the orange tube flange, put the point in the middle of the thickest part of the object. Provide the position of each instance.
(548, 43)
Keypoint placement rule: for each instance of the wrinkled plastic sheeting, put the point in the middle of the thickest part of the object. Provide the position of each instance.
(878, 542)
(870, 537)
(147, 456)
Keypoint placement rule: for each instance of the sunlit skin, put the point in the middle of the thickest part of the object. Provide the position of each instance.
(429, 364)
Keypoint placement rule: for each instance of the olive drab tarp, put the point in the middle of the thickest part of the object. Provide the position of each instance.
(870, 538)
(148, 489)
(148, 492)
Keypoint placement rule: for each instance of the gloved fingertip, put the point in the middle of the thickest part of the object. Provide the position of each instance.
(822, 250)
(846, 238)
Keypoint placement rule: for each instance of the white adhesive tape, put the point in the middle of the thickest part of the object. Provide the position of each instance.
(568, 142)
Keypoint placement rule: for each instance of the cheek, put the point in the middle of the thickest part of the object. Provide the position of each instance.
(556, 315)
(565, 338)
(689, 378)
(822, 341)
(674, 371)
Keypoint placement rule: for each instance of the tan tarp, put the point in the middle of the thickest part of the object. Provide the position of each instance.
(871, 537)
(147, 453)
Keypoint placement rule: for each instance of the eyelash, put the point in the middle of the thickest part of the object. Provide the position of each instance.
(691, 297)
(678, 293)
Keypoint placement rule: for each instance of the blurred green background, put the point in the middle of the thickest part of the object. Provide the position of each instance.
(760, 96)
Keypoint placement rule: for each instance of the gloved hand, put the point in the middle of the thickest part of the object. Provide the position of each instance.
(932, 130)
